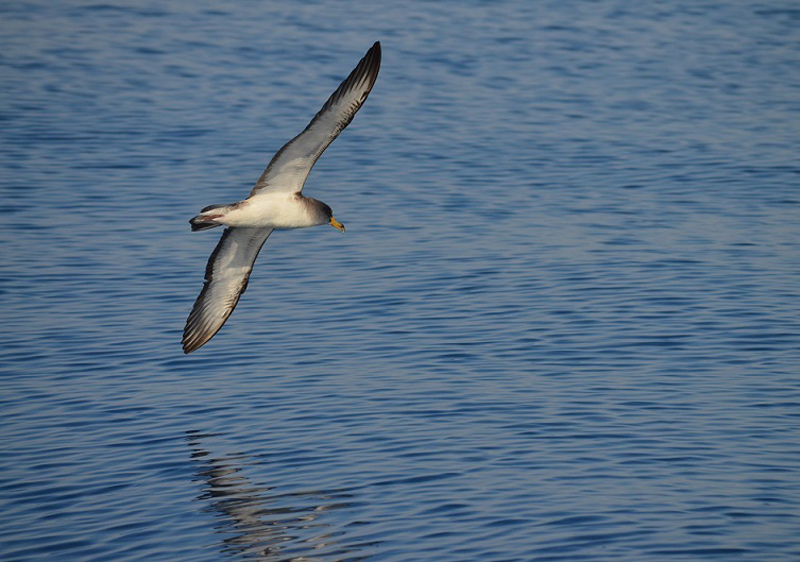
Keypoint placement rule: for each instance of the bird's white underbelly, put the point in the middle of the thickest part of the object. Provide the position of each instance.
(273, 211)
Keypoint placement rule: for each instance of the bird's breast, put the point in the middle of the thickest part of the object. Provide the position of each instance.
(272, 211)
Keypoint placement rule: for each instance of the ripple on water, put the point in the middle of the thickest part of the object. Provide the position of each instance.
(562, 324)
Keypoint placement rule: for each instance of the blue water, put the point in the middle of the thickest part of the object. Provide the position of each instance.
(564, 323)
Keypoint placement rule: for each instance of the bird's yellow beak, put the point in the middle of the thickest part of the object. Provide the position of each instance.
(336, 224)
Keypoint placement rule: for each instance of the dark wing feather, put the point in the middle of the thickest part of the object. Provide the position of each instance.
(289, 168)
(226, 278)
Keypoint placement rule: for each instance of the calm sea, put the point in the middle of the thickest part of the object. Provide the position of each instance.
(564, 323)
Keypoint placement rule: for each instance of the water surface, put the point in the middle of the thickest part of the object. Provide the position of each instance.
(562, 325)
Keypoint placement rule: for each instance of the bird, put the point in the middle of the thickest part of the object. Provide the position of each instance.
(276, 202)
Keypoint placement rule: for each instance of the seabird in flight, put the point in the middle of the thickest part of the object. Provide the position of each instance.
(276, 201)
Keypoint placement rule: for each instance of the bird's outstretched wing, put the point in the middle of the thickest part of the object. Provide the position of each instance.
(289, 168)
(226, 278)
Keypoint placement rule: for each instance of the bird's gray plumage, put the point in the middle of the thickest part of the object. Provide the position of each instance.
(231, 262)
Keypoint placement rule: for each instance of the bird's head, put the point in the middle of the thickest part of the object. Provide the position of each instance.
(329, 218)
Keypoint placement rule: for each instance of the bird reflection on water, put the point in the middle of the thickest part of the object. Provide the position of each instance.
(263, 525)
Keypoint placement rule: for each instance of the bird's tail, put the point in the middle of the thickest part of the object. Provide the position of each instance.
(201, 223)
(206, 218)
